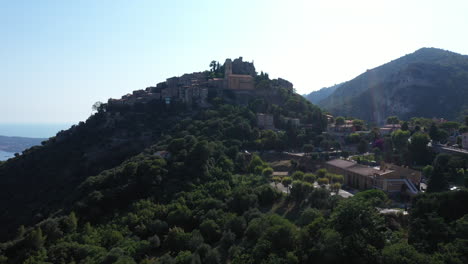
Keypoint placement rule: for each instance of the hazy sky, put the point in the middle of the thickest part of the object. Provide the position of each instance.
(59, 57)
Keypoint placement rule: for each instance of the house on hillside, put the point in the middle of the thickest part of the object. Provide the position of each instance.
(389, 178)
(464, 138)
(265, 121)
(388, 129)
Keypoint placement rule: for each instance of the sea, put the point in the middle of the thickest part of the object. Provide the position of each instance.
(31, 131)
(6, 155)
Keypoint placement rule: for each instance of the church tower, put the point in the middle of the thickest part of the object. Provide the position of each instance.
(227, 68)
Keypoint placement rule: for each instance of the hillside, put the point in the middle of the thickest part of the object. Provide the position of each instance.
(177, 176)
(45, 178)
(405, 87)
(18, 144)
(316, 96)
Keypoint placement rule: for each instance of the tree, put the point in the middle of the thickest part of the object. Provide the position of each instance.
(256, 162)
(308, 215)
(460, 176)
(97, 106)
(405, 126)
(358, 124)
(154, 240)
(393, 120)
(308, 148)
(70, 222)
(337, 178)
(354, 138)
(321, 173)
(418, 148)
(400, 139)
(21, 231)
(213, 64)
(180, 215)
(177, 239)
(298, 175)
(434, 132)
(309, 177)
(267, 172)
(301, 189)
(438, 182)
(184, 257)
(362, 146)
(237, 225)
(36, 239)
(427, 171)
(361, 228)
(450, 125)
(339, 121)
(374, 197)
(210, 231)
(286, 182)
(323, 181)
(402, 253)
(276, 180)
(335, 187)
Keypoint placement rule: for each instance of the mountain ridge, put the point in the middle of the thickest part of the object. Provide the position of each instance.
(396, 88)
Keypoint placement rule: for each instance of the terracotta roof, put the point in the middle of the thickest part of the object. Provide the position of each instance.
(356, 168)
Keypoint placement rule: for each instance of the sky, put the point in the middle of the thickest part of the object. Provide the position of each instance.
(57, 58)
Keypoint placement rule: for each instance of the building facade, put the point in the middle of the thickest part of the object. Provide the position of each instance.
(464, 138)
(389, 178)
(265, 121)
(237, 81)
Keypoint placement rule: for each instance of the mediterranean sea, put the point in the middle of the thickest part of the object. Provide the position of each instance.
(32, 130)
(6, 155)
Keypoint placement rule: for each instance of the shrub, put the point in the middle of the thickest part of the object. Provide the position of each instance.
(323, 181)
(298, 175)
(310, 178)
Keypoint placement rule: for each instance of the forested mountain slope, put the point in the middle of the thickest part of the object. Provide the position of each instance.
(317, 96)
(405, 87)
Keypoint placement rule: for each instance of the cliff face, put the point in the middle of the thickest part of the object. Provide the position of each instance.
(428, 83)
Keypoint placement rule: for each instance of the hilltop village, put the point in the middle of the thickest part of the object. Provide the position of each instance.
(235, 79)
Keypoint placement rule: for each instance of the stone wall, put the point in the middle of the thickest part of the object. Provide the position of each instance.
(243, 67)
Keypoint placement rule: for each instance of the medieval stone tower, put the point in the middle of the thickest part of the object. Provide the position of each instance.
(227, 68)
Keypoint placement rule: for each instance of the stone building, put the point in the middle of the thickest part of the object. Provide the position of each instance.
(193, 89)
(265, 121)
(237, 81)
(464, 138)
(389, 178)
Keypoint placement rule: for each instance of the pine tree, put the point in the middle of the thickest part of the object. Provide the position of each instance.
(438, 182)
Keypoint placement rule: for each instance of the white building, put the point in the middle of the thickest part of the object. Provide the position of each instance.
(464, 137)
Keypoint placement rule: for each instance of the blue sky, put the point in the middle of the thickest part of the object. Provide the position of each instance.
(59, 57)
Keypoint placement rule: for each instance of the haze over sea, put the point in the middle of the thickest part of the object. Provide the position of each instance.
(30, 131)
